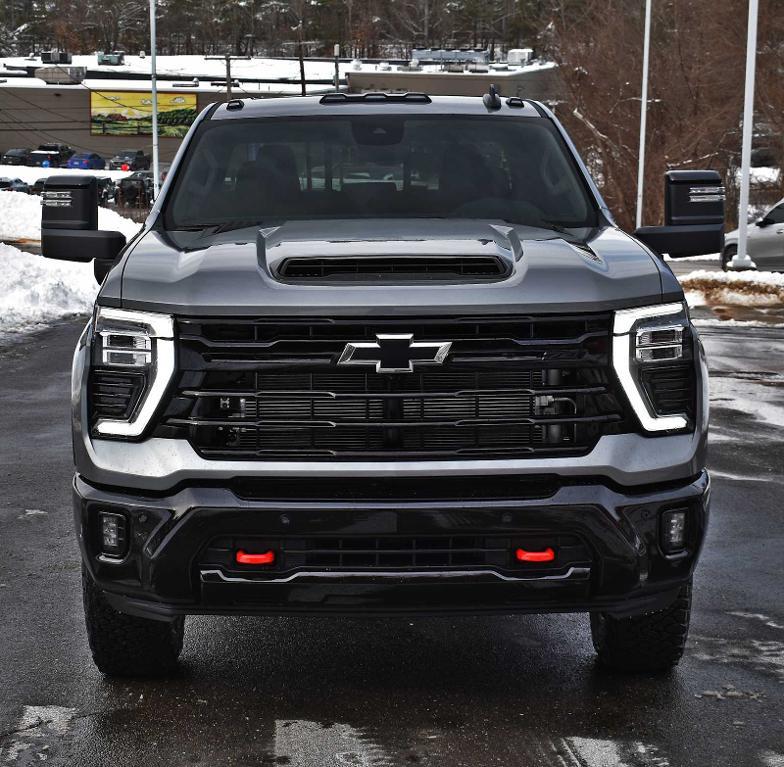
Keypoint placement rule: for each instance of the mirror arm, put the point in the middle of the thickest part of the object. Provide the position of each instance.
(683, 241)
(81, 245)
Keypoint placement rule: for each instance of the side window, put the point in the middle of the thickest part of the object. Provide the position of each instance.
(776, 216)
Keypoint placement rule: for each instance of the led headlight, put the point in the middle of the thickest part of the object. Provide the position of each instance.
(141, 345)
(644, 339)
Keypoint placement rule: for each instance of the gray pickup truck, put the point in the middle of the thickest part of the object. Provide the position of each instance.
(386, 354)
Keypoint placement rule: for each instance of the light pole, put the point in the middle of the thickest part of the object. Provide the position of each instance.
(741, 259)
(646, 52)
(155, 176)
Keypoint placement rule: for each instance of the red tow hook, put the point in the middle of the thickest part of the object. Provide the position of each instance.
(546, 555)
(263, 558)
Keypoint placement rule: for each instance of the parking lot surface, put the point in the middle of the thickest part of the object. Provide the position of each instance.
(512, 691)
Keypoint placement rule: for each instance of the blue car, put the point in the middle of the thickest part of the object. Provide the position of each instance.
(87, 161)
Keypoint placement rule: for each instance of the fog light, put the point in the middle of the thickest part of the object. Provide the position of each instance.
(673, 530)
(113, 534)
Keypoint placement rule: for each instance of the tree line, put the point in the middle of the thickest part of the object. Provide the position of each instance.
(368, 28)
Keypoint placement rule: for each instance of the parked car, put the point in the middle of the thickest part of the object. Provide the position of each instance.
(16, 157)
(136, 190)
(87, 161)
(130, 159)
(13, 185)
(51, 156)
(474, 395)
(764, 244)
(107, 191)
(37, 186)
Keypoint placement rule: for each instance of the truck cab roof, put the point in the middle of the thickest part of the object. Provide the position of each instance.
(372, 104)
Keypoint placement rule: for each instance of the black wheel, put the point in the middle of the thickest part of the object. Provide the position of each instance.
(123, 645)
(727, 256)
(650, 642)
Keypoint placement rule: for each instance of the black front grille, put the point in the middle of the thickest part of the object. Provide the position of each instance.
(114, 394)
(397, 552)
(265, 389)
(406, 269)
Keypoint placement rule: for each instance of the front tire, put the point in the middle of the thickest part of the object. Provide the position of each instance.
(123, 645)
(727, 256)
(651, 642)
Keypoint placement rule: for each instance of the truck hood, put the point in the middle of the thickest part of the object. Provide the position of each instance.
(193, 273)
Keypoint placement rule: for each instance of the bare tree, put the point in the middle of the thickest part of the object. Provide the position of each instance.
(695, 91)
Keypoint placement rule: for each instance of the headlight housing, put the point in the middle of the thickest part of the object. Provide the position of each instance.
(653, 358)
(132, 365)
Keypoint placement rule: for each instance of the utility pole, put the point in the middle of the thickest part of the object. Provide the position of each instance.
(227, 58)
(300, 32)
(156, 181)
(337, 66)
(646, 52)
(741, 259)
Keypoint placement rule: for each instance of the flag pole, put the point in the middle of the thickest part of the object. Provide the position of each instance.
(646, 52)
(741, 259)
(154, 82)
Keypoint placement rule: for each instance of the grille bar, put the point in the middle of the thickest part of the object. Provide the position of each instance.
(609, 418)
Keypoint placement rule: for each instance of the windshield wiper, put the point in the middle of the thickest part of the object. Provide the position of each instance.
(218, 227)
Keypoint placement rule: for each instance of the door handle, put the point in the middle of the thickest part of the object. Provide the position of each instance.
(780, 231)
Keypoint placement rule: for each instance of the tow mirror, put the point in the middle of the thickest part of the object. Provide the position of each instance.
(693, 215)
(69, 224)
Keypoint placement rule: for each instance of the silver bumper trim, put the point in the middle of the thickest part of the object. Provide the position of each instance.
(218, 576)
(159, 464)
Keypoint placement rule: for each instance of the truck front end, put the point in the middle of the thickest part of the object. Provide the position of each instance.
(404, 363)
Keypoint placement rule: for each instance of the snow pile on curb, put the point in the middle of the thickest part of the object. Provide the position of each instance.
(20, 218)
(30, 173)
(734, 288)
(35, 290)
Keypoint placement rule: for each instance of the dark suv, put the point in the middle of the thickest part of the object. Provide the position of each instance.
(16, 157)
(387, 355)
(50, 156)
(130, 159)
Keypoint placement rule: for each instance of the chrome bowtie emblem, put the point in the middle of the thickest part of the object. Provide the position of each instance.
(395, 353)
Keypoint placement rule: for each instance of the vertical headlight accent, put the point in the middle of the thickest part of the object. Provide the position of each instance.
(135, 341)
(646, 336)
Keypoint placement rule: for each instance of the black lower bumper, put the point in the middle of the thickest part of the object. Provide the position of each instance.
(396, 555)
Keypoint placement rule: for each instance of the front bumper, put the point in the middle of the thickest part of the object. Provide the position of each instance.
(620, 567)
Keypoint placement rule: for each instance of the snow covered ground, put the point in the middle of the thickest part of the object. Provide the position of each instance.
(751, 289)
(190, 66)
(35, 290)
(20, 219)
(31, 175)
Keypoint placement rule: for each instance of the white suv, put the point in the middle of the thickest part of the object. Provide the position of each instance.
(765, 243)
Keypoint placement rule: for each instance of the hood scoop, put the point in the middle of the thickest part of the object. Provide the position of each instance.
(401, 259)
(398, 268)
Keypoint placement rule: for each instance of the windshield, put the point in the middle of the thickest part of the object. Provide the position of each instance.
(516, 170)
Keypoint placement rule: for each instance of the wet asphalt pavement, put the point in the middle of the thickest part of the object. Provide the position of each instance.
(511, 691)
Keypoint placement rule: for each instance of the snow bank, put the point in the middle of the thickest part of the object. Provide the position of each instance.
(30, 174)
(734, 288)
(20, 219)
(35, 290)
(763, 175)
